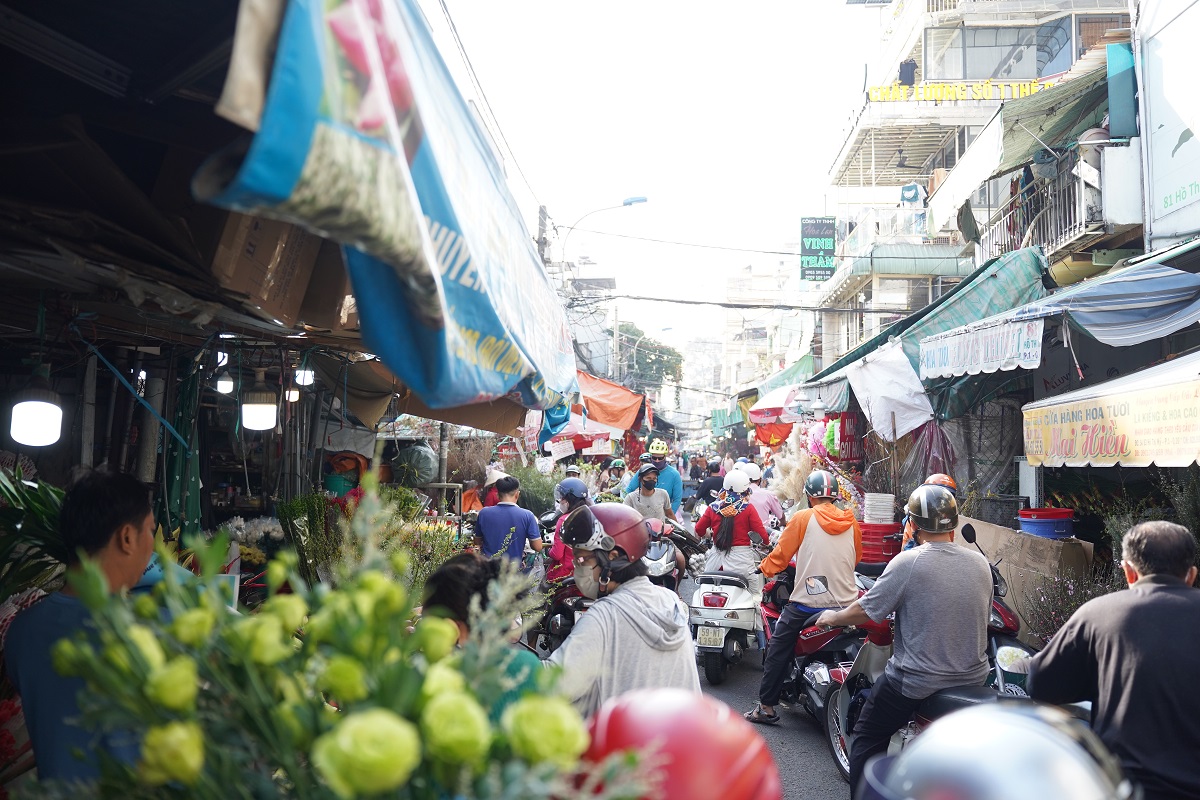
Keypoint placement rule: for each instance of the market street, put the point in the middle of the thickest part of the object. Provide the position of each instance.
(796, 742)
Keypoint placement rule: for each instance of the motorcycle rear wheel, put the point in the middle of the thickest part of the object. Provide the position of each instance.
(715, 668)
(834, 737)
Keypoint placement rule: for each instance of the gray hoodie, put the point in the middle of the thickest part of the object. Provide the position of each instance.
(635, 638)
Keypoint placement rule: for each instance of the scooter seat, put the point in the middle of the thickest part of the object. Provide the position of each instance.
(942, 702)
(723, 579)
(871, 569)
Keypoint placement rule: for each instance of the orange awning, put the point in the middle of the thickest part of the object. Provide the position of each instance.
(609, 403)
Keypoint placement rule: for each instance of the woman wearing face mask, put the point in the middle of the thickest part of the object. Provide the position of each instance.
(570, 494)
(448, 593)
(636, 636)
(730, 521)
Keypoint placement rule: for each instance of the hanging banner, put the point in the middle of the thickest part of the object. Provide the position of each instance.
(365, 139)
(995, 348)
(600, 447)
(818, 241)
(1158, 425)
(560, 450)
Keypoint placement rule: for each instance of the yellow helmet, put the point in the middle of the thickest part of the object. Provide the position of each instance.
(658, 448)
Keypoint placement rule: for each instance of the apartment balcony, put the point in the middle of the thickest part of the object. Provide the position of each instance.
(1074, 208)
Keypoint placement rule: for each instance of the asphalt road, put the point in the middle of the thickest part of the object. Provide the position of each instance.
(796, 741)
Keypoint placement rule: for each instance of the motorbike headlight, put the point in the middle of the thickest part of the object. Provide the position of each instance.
(994, 620)
(1001, 586)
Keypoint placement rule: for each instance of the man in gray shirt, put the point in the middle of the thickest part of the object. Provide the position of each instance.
(941, 594)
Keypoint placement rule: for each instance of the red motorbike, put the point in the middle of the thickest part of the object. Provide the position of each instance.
(818, 651)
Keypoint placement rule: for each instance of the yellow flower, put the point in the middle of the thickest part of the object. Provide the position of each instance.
(545, 728)
(368, 752)
(69, 658)
(145, 607)
(193, 627)
(436, 637)
(277, 573)
(456, 728)
(290, 609)
(441, 678)
(262, 639)
(172, 752)
(174, 685)
(144, 642)
(345, 679)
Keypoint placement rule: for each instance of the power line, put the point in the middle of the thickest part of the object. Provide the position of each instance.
(483, 96)
(755, 250)
(769, 306)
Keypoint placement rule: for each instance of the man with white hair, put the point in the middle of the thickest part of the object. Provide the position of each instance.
(764, 502)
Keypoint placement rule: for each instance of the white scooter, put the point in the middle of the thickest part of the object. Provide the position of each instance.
(725, 620)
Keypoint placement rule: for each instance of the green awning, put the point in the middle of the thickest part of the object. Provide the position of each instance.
(800, 370)
(914, 259)
(1006, 282)
(723, 418)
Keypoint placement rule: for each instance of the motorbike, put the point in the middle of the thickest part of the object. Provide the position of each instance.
(818, 650)
(660, 561)
(850, 684)
(724, 618)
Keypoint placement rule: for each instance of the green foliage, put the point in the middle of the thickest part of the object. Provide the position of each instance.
(312, 531)
(537, 490)
(31, 549)
(652, 363)
(1182, 490)
(235, 706)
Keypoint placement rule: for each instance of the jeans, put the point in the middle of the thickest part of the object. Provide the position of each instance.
(781, 650)
(886, 711)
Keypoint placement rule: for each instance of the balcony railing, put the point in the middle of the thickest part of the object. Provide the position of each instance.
(1051, 212)
(884, 226)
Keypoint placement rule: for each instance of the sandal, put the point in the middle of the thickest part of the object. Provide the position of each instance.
(759, 717)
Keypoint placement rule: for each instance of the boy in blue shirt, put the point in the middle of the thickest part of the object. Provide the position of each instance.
(505, 527)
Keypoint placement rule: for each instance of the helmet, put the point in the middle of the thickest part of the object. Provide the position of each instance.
(617, 463)
(658, 447)
(606, 527)
(714, 465)
(573, 469)
(645, 458)
(933, 509)
(570, 489)
(1059, 757)
(710, 751)
(820, 483)
(646, 469)
(743, 460)
(942, 479)
(736, 481)
(751, 469)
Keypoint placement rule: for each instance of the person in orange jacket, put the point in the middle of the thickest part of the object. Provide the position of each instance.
(826, 543)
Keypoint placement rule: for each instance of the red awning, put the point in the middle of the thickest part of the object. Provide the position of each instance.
(609, 403)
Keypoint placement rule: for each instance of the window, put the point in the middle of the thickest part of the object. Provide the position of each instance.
(1093, 27)
(999, 53)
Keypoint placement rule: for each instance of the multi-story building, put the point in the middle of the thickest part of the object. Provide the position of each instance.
(944, 68)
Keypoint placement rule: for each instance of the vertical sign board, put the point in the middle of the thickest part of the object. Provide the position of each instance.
(818, 239)
(1172, 117)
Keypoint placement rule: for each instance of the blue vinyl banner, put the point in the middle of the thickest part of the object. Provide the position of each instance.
(365, 139)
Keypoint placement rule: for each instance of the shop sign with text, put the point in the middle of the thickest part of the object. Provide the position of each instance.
(1135, 429)
(992, 349)
(818, 241)
(956, 90)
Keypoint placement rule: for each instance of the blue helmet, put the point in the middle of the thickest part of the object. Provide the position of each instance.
(573, 490)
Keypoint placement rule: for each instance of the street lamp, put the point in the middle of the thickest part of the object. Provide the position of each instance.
(628, 201)
(639, 341)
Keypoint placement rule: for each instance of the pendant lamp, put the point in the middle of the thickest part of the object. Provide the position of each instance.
(259, 404)
(225, 383)
(37, 411)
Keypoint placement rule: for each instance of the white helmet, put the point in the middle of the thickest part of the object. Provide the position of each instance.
(751, 469)
(736, 481)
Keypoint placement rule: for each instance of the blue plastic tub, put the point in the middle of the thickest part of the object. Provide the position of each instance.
(1047, 525)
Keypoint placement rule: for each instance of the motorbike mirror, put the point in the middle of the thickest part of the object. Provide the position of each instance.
(968, 533)
(1013, 659)
(815, 584)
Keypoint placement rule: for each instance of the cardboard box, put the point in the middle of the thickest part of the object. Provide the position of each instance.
(1026, 560)
(329, 303)
(269, 262)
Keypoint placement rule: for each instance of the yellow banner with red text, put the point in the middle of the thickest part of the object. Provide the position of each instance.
(1135, 429)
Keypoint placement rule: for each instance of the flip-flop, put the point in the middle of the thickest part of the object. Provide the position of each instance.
(757, 716)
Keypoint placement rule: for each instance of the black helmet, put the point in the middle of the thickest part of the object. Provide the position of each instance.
(714, 466)
(572, 490)
(645, 458)
(820, 483)
(646, 469)
(933, 509)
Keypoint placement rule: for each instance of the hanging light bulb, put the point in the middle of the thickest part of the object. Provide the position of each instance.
(37, 411)
(305, 377)
(224, 383)
(259, 409)
(818, 410)
(292, 395)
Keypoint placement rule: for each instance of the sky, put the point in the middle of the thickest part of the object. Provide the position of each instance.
(725, 116)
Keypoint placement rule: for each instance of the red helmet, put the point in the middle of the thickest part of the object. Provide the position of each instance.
(607, 526)
(941, 479)
(708, 750)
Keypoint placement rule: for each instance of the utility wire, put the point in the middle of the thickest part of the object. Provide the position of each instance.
(770, 306)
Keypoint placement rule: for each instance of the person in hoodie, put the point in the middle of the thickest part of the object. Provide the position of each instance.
(826, 543)
(636, 635)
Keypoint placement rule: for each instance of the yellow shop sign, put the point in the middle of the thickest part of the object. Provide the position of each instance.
(957, 90)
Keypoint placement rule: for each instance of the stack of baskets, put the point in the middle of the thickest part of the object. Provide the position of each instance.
(879, 515)
(879, 509)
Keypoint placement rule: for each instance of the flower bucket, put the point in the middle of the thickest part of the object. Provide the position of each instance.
(1048, 523)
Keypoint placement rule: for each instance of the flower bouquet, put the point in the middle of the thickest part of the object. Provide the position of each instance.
(324, 692)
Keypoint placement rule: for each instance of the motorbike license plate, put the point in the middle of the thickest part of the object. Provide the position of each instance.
(710, 637)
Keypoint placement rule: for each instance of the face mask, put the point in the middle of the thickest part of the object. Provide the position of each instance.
(649, 484)
(659, 462)
(564, 506)
(585, 580)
